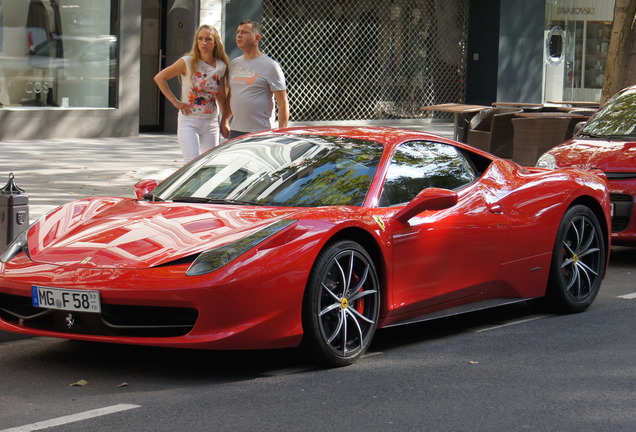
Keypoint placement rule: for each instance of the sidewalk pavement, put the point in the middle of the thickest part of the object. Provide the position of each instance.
(53, 172)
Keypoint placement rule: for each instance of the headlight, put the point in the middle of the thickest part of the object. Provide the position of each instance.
(214, 259)
(15, 247)
(547, 161)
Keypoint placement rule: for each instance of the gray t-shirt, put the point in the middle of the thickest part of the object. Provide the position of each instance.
(253, 83)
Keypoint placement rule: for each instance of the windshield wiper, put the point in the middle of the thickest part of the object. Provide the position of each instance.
(205, 200)
(588, 135)
(608, 137)
(152, 197)
(620, 137)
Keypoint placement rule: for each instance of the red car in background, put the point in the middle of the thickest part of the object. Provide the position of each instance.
(309, 236)
(607, 142)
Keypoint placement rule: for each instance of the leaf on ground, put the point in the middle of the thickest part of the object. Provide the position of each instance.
(80, 383)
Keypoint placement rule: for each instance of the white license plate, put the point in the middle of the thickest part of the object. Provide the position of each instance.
(66, 299)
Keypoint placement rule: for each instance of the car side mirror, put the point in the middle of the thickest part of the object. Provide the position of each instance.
(144, 187)
(578, 127)
(428, 199)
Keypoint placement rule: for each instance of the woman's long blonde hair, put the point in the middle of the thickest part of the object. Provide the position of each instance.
(218, 53)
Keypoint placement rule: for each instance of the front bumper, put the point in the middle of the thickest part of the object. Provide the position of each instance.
(622, 192)
(259, 309)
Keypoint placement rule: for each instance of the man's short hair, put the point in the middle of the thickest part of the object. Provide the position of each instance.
(257, 28)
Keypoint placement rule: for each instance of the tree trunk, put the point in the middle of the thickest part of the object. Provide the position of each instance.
(620, 71)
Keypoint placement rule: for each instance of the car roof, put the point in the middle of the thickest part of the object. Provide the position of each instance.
(387, 136)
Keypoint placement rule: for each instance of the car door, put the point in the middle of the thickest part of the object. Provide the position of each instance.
(446, 255)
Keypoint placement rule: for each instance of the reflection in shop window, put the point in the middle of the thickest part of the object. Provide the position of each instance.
(58, 53)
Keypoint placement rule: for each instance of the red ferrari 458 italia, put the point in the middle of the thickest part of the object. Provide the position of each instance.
(311, 237)
(608, 143)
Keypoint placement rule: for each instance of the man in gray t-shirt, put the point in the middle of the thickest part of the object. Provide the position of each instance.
(255, 81)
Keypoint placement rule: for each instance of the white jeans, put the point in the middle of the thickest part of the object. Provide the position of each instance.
(196, 135)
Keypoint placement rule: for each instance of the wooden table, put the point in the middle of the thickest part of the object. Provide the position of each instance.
(550, 115)
(579, 104)
(462, 115)
(566, 109)
(517, 104)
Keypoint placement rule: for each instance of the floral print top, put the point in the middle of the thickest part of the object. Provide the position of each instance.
(200, 89)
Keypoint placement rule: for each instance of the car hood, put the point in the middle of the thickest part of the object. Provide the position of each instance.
(126, 233)
(608, 156)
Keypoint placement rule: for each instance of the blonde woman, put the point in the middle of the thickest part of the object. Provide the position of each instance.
(202, 73)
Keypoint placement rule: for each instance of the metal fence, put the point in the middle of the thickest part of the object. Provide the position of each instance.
(368, 59)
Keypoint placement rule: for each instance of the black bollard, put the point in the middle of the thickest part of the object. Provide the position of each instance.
(14, 212)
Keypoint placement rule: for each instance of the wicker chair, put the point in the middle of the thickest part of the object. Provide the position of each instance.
(491, 130)
(534, 136)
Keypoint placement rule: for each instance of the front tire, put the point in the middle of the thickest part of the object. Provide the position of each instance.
(578, 261)
(341, 304)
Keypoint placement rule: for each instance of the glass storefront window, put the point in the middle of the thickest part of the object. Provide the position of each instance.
(58, 53)
(587, 25)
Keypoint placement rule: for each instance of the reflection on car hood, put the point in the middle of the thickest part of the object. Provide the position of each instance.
(609, 156)
(125, 233)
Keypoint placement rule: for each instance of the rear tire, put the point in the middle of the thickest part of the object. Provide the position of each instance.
(341, 304)
(578, 262)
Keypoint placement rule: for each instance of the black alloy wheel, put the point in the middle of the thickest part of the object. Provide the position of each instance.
(341, 305)
(578, 261)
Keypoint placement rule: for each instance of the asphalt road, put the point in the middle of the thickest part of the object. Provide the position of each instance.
(507, 369)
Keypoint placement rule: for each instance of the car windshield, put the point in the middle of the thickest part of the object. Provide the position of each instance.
(278, 170)
(616, 119)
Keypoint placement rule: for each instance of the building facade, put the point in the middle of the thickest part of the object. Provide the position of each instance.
(69, 68)
(84, 68)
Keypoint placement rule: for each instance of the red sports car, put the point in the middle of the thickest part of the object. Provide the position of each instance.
(309, 237)
(607, 142)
